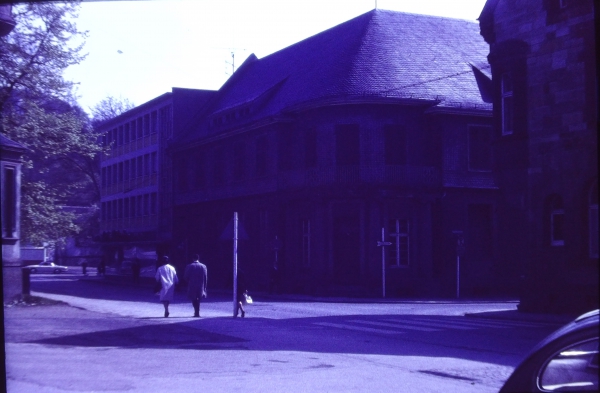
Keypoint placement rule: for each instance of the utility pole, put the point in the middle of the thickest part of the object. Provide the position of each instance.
(235, 261)
(382, 244)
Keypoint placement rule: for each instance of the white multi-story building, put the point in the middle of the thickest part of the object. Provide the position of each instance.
(136, 185)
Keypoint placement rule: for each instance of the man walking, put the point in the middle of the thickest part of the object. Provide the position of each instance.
(196, 275)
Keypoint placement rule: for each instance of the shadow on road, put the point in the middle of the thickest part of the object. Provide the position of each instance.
(398, 334)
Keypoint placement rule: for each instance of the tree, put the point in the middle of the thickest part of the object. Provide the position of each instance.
(109, 108)
(38, 110)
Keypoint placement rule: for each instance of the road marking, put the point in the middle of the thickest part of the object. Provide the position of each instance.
(359, 328)
(440, 324)
(494, 323)
(397, 325)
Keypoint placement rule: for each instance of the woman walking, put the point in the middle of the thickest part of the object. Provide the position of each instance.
(167, 277)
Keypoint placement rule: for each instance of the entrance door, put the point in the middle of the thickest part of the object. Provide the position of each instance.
(477, 264)
(346, 249)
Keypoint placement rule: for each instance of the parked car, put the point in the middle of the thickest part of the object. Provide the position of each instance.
(565, 361)
(48, 267)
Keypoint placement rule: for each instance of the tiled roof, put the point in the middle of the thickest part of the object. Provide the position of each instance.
(379, 54)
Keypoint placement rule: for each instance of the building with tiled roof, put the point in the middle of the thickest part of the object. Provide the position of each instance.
(380, 122)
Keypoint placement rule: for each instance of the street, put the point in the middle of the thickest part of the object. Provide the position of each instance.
(112, 338)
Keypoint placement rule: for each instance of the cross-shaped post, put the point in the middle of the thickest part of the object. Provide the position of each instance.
(382, 244)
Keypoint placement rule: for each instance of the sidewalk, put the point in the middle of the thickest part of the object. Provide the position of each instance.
(516, 315)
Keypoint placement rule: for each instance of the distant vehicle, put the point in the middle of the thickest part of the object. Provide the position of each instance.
(565, 361)
(126, 266)
(48, 267)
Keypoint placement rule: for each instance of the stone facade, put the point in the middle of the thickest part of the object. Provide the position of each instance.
(547, 164)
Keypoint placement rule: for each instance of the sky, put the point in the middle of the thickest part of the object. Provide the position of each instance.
(140, 49)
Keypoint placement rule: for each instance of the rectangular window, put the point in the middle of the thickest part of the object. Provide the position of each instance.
(557, 227)
(397, 252)
(132, 203)
(153, 203)
(347, 144)
(507, 104)
(120, 136)
(154, 163)
(239, 161)
(9, 197)
(480, 148)
(126, 133)
(140, 127)
(146, 164)
(121, 171)
(120, 208)
(165, 122)
(306, 243)
(394, 145)
(594, 231)
(153, 123)
(139, 166)
(115, 174)
(261, 156)
(146, 125)
(126, 208)
(219, 166)
(285, 150)
(108, 175)
(182, 174)
(146, 204)
(200, 172)
(140, 205)
(132, 168)
(310, 148)
(104, 177)
(126, 170)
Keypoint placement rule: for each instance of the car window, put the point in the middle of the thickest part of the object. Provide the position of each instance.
(573, 368)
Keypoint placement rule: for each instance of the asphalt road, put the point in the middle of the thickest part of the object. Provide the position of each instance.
(113, 338)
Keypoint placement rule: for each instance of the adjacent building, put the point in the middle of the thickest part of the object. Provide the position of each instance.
(543, 56)
(136, 211)
(374, 133)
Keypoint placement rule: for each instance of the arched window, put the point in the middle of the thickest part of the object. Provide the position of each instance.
(593, 219)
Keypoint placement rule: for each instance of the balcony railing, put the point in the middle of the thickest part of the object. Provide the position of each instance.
(116, 151)
(143, 223)
(130, 184)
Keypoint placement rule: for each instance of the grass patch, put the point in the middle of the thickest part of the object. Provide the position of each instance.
(28, 301)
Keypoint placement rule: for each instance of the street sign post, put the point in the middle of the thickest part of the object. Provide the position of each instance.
(382, 244)
(235, 277)
(460, 249)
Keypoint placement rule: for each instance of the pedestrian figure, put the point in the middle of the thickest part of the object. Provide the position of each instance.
(84, 268)
(196, 277)
(167, 277)
(101, 266)
(241, 294)
(274, 282)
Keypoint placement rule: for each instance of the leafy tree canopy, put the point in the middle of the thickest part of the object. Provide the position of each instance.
(38, 110)
(109, 108)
